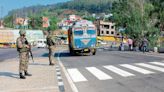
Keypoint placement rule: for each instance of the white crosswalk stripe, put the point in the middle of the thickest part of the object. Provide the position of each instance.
(157, 63)
(76, 75)
(138, 69)
(98, 73)
(118, 71)
(151, 67)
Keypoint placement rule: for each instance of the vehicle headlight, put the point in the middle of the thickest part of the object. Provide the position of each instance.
(77, 46)
(93, 45)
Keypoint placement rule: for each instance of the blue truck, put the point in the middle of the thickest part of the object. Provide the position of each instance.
(82, 37)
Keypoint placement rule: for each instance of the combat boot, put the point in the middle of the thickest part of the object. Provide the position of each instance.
(51, 64)
(27, 74)
(21, 76)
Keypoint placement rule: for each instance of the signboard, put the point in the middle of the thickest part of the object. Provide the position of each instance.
(45, 22)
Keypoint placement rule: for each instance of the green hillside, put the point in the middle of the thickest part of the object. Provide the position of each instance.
(91, 6)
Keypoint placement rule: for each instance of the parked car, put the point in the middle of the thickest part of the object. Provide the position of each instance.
(41, 43)
(101, 42)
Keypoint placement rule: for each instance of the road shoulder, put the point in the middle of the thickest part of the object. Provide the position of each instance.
(43, 77)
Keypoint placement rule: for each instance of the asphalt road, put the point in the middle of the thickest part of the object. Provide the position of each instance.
(114, 71)
(9, 53)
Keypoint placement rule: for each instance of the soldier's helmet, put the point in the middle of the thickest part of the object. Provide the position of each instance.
(22, 32)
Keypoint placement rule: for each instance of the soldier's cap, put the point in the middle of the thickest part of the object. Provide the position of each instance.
(22, 32)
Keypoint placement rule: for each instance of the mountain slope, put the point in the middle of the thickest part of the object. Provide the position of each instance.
(91, 6)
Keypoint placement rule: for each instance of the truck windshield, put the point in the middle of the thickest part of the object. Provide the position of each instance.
(91, 32)
(78, 32)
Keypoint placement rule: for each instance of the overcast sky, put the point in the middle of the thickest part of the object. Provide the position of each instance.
(7, 5)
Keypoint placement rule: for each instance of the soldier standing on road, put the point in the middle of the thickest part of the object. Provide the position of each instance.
(51, 46)
(23, 48)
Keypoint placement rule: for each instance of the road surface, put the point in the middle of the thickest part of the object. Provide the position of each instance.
(9, 53)
(114, 71)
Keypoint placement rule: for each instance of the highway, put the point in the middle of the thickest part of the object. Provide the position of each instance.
(114, 71)
(9, 53)
(107, 71)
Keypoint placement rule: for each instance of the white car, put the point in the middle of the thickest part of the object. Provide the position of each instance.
(41, 43)
(102, 42)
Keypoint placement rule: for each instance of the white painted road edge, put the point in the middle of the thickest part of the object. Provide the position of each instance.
(73, 87)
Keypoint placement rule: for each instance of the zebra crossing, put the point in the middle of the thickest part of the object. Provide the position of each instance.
(121, 70)
(98, 73)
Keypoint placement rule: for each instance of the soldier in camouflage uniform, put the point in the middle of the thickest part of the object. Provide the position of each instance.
(23, 48)
(51, 46)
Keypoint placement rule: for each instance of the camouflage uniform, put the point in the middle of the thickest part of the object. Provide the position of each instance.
(22, 45)
(23, 55)
(51, 45)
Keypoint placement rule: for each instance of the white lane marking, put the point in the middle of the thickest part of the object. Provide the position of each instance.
(157, 63)
(59, 77)
(58, 73)
(73, 87)
(98, 73)
(76, 75)
(118, 71)
(151, 67)
(58, 69)
(138, 69)
(57, 66)
(60, 83)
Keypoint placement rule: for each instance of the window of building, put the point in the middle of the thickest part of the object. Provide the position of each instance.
(102, 32)
(112, 27)
(106, 26)
(112, 32)
(107, 32)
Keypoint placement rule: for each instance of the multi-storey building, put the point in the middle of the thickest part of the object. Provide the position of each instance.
(105, 28)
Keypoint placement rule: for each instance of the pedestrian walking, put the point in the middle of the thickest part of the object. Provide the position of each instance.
(130, 43)
(51, 45)
(135, 45)
(121, 46)
(23, 48)
(144, 44)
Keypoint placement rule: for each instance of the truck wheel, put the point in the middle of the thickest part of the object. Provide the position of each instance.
(72, 52)
(94, 52)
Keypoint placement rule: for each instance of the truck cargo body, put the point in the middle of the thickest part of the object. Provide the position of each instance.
(8, 36)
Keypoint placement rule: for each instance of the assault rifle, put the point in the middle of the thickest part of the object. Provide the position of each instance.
(26, 42)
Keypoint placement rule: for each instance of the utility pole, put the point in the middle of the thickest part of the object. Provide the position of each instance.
(1, 12)
(1, 15)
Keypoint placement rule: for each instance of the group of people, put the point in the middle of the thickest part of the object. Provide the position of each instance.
(23, 47)
(143, 45)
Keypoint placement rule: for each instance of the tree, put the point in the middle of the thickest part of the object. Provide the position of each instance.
(8, 21)
(134, 16)
(35, 22)
(53, 23)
